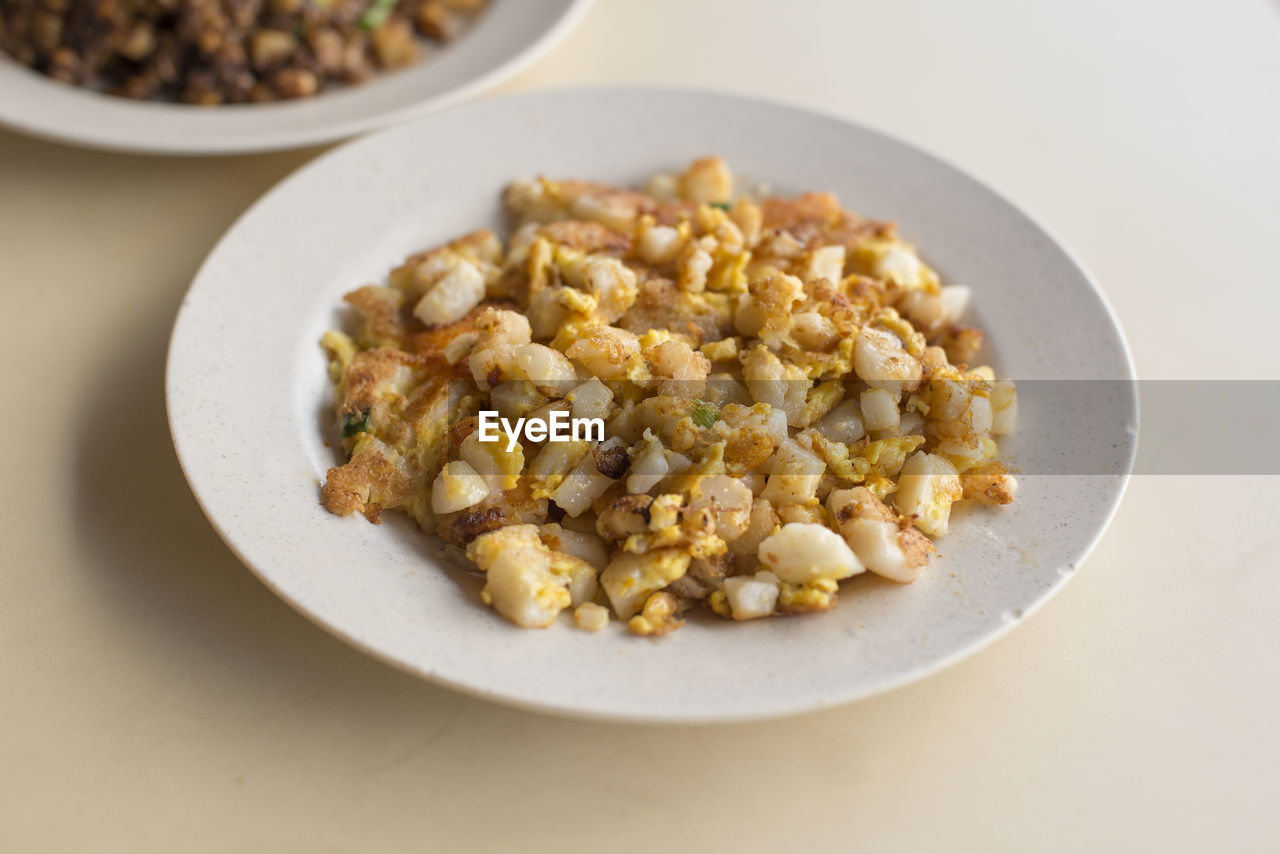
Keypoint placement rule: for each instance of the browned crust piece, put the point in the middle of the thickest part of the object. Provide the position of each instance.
(381, 309)
(661, 305)
(366, 484)
(514, 507)
(370, 369)
(587, 237)
(987, 483)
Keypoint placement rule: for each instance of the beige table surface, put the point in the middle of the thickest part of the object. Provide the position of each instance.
(155, 697)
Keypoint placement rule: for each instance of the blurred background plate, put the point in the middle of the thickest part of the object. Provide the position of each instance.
(249, 403)
(507, 37)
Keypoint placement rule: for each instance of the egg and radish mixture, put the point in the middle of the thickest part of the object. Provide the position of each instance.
(786, 392)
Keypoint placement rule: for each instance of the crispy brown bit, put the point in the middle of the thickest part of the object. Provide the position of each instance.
(611, 458)
(372, 370)
(846, 314)
(464, 428)
(612, 197)
(513, 507)
(917, 546)
(661, 305)
(366, 484)
(747, 449)
(380, 308)
(586, 236)
(434, 340)
(932, 360)
(961, 344)
(820, 209)
(627, 515)
(472, 524)
(850, 231)
(988, 483)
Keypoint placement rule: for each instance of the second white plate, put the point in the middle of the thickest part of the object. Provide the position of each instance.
(506, 38)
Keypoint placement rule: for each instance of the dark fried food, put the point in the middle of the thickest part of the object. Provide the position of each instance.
(223, 51)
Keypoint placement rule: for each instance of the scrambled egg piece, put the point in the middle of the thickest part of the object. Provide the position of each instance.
(525, 581)
(785, 388)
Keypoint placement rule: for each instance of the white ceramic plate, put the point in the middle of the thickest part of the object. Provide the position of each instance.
(248, 397)
(508, 37)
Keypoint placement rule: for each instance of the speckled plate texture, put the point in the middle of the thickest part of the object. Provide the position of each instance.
(249, 404)
(508, 37)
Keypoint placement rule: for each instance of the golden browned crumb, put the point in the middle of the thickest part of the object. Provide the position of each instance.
(989, 483)
(366, 484)
(961, 344)
(586, 237)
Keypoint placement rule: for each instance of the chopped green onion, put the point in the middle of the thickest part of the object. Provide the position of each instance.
(724, 206)
(704, 414)
(354, 422)
(377, 13)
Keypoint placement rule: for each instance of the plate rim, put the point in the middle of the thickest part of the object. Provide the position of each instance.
(108, 139)
(777, 709)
